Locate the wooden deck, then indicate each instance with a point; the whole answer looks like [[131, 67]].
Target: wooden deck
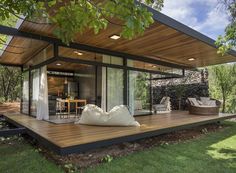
[[70, 138]]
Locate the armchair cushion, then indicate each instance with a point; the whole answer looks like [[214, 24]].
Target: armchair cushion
[[205, 100], [193, 101]]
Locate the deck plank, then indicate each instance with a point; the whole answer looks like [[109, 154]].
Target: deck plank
[[67, 135]]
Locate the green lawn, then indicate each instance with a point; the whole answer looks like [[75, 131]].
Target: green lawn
[[20, 157], [215, 152]]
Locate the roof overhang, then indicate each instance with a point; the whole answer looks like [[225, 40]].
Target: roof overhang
[[167, 42]]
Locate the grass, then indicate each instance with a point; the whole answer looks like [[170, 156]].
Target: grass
[[215, 152], [18, 156]]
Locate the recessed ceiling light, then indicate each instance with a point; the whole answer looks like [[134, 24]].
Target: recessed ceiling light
[[191, 59], [78, 53], [154, 66], [58, 64], [115, 37]]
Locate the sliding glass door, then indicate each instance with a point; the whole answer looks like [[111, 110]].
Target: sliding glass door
[[111, 92], [115, 87]]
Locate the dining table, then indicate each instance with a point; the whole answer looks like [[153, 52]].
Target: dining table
[[76, 101]]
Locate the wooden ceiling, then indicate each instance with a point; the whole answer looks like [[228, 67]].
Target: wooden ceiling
[[68, 66], [159, 42], [21, 50]]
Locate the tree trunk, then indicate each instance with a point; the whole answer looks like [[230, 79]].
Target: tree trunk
[[223, 104]]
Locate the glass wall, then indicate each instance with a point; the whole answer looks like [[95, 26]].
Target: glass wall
[[70, 81], [139, 92], [100, 82]]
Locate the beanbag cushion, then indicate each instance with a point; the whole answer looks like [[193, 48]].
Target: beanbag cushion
[[118, 116]]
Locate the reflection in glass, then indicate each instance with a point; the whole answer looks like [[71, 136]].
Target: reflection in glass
[[139, 92]]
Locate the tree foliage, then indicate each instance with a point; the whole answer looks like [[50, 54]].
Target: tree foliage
[[142, 91], [228, 40], [10, 78], [222, 81], [11, 21], [76, 16]]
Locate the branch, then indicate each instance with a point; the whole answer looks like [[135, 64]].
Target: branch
[[19, 17]]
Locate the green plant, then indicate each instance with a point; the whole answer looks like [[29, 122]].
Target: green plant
[[107, 159], [70, 168]]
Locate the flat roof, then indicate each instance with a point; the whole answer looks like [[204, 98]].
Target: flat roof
[[165, 40]]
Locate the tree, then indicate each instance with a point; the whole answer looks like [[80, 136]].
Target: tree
[[224, 81], [10, 78], [228, 40], [76, 16]]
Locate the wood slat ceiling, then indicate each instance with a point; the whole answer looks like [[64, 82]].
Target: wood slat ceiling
[[68, 66], [158, 42], [26, 48]]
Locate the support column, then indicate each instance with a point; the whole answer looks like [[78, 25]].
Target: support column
[[21, 90], [30, 100], [151, 93], [125, 83]]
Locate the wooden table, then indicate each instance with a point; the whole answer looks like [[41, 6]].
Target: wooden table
[[76, 101]]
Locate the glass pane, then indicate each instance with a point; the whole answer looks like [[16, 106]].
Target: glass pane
[[34, 91], [152, 67], [139, 92], [85, 78], [25, 97], [115, 87], [79, 54], [89, 56]]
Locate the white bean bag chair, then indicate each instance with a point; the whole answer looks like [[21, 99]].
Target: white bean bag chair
[[118, 116]]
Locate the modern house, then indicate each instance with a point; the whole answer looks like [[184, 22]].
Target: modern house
[[105, 70]]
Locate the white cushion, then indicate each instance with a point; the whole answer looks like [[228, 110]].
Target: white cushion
[[118, 116], [193, 101], [211, 103], [204, 100]]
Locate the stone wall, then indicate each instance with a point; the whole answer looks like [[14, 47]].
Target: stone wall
[[195, 84], [190, 90]]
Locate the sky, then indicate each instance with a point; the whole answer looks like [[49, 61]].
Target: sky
[[205, 16]]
